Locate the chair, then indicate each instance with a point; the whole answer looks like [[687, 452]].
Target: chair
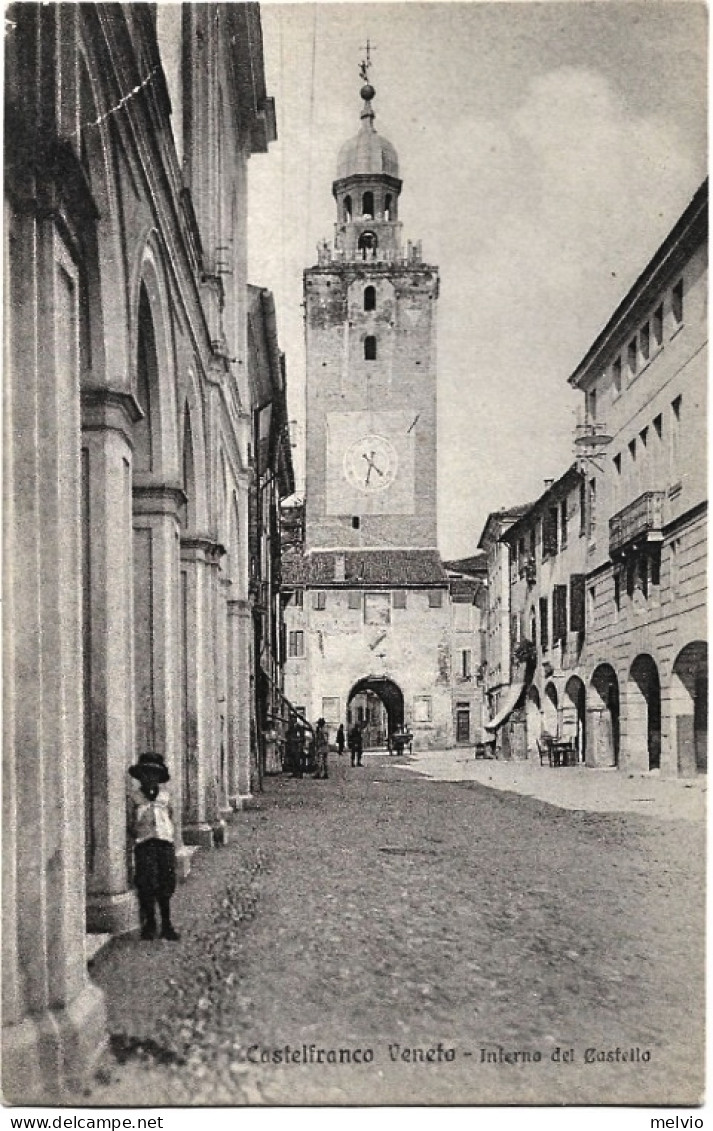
[[544, 749]]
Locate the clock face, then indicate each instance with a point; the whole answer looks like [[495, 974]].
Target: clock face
[[371, 463]]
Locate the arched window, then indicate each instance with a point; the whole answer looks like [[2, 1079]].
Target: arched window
[[367, 204], [367, 245], [347, 209], [387, 206], [370, 298], [370, 348]]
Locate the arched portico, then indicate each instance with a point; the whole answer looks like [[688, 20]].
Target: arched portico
[[689, 709], [574, 715], [390, 696], [603, 711], [643, 717], [533, 720], [550, 714]]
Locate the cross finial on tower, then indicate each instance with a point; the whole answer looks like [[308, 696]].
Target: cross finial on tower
[[365, 63]]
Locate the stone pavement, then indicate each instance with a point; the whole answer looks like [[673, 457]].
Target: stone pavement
[[383, 911], [571, 787]]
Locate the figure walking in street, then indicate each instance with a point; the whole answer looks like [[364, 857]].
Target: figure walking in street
[[151, 826], [355, 744], [321, 748], [340, 739]]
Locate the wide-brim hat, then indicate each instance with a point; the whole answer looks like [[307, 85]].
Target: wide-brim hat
[[150, 765]]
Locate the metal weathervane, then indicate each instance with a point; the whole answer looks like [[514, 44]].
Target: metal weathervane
[[365, 63]]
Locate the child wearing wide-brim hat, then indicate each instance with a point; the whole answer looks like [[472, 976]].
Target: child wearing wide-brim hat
[[154, 849]]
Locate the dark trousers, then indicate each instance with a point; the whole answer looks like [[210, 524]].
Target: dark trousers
[[155, 878]]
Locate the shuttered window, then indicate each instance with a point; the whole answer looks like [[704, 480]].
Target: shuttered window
[[577, 598], [549, 532], [544, 626], [354, 599], [559, 613]]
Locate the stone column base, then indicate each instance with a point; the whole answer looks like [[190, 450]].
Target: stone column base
[[201, 835], [184, 859], [50, 1055], [112, 914], [245, 801]]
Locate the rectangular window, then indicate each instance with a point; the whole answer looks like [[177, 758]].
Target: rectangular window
[[592, 404], [563, 523], [644, 437], [435, 598], [645, 342], [677, 303], [582, 507], [461, 617], [422, 709], [559, 614], [617, 593], [533, 543], [297, 644], [617, 463], [319, 599], [591, 604], [399, 598], [576, 602], [331, 712], [616, 376], [632, 450], [632, 358], [674, 438], [544, 625], [550, 532], [354, 599], [299, 598], [377, 608], [658, 325], [465, 663], [592, 507], [658, 425]]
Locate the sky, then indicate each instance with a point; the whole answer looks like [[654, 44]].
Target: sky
[[546, 149]]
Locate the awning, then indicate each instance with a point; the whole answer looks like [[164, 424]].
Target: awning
[[509, 705]]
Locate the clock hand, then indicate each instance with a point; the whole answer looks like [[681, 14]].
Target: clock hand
[[372, 466]]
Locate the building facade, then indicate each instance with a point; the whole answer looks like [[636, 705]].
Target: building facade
[[547, 550], [371, 610], [127, 471], [644, 381]]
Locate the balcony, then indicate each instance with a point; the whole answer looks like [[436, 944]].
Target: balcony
[[640, 522]]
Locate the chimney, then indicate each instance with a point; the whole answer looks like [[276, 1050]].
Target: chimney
[[548, 484]]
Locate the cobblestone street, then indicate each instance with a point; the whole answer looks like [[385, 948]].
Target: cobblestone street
[[382, 911]]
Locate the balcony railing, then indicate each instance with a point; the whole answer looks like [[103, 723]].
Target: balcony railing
[[641, 521]]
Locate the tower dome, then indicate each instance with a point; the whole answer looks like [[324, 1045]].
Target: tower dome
[[368, 152]]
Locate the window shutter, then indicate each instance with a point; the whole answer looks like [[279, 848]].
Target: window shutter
[[544, 626], [577, 594], [559, 613]]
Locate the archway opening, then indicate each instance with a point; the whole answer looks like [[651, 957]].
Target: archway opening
[[574, 715], [644, 715], [367, 206], [550, 714], [367, 244], [690, 708], [603, 747], [533, 720], [376, 704]]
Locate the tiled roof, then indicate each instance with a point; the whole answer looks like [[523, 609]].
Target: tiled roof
[[365, 567], [474, 566]]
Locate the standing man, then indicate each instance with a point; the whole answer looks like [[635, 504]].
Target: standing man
[[340, 739], [321, 748], [355, 744]]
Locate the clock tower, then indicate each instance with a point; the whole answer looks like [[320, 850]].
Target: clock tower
[[371, 628], [370, 321]]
